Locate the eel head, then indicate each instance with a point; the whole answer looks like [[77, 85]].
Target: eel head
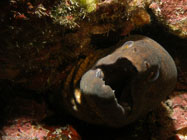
[[128, 83]]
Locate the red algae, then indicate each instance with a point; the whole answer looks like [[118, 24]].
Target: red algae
[[24, 119], [67, 132], [179, 112], [170, 119], [24, 129], [173, 14]]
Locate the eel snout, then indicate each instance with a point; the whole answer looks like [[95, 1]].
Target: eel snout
[[129, 82]]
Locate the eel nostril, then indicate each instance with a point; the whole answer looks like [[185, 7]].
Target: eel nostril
[[99, 73], [128, 44]]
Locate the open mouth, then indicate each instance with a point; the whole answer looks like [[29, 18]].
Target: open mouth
[[119, 77], [108, 90]]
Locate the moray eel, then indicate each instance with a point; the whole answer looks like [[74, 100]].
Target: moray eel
[[125, 84]]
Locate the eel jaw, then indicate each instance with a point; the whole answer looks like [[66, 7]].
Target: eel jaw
[[107, 88]]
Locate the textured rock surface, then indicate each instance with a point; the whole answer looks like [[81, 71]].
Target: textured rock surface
[[25, 118], [28, 130], [171, 118], [59, 34], [173, 14]]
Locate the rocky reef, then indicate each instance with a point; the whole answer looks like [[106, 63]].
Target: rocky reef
[[172, 14], [47, 46]]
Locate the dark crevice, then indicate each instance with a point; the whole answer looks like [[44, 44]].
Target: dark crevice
[[107, 40]]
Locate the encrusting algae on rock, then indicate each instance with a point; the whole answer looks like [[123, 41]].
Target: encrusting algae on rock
[[62, 32], [172, 14]]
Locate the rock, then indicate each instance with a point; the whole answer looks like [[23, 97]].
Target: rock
[[172, 14], [23, 129], [23, 116]]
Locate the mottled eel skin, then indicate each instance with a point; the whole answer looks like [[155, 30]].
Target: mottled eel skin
[[125, 84]]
